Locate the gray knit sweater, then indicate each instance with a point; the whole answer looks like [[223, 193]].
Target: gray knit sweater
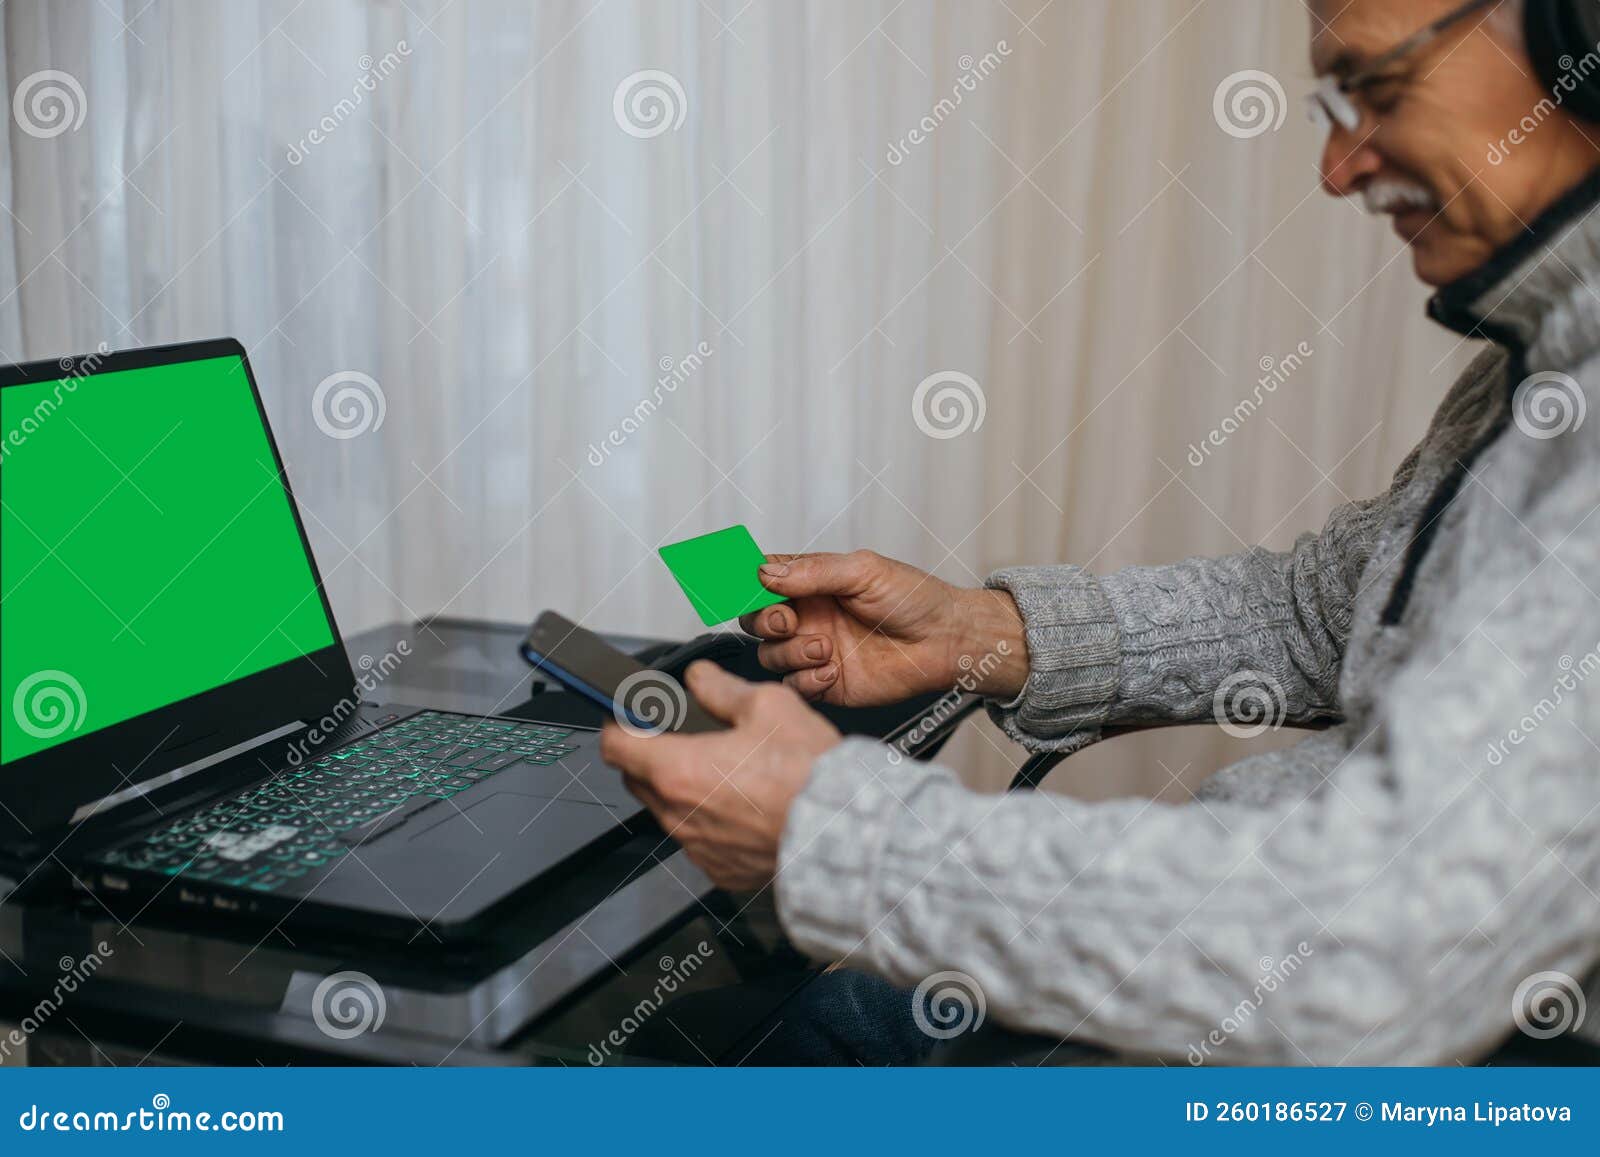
[[1375, 894]]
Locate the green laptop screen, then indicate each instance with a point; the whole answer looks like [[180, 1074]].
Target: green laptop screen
[[147, 549]]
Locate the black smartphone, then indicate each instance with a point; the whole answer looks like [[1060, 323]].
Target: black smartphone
[[642, 698]]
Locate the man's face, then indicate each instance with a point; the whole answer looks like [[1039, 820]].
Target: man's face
[[1422, 151]]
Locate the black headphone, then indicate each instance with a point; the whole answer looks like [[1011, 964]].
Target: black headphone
[[1564, 45]]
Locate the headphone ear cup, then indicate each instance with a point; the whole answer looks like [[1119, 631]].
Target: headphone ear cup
[[1564, 45]]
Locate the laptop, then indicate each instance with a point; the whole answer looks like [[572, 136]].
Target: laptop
[[180, 725]]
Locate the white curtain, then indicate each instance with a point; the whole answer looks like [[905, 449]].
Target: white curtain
[[842, 198]]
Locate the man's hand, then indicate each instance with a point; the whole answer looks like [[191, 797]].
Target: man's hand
[[725, 796], [863, 630]]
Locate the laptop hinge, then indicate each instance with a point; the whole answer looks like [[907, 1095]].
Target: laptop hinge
[[127, 794]]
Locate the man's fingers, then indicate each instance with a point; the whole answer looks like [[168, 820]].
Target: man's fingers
[[771, 622], [815, 682], [795, 654], [724, 695], [818, 574], [777, 622], [639, 757]]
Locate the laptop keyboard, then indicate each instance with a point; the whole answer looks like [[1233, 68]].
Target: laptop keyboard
[[305, 818]]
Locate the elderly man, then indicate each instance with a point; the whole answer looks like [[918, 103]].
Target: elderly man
[[1422, 860]]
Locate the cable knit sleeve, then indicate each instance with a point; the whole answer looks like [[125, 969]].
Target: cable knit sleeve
[[1152, 644]]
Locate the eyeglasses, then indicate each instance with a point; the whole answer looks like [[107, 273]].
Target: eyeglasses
[[1329, 103]]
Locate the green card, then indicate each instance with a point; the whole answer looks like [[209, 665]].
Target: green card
[[718, 573]]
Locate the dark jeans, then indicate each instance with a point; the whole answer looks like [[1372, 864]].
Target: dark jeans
[[803, 1018], [834, 1018], [845, 1018]]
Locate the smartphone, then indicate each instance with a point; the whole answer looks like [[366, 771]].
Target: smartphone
[[640, 697]]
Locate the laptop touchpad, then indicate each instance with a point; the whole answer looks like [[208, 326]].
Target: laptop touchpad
[[507, 819]]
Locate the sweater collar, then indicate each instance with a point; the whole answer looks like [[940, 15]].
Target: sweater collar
[[1539, 295]]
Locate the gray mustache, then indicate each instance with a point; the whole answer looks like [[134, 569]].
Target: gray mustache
[[1383, 197]]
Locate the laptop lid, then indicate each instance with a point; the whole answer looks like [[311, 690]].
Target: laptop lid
[[158, 598]]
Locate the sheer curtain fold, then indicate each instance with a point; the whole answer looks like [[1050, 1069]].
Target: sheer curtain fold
[[11, 347], [591, 336]]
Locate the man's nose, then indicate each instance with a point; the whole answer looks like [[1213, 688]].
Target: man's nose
[[1347, 160]]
